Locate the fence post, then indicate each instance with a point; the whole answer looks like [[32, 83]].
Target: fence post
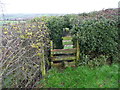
[[78, 52], [51, 44], [51, 55], [43, 61], [1, 58]]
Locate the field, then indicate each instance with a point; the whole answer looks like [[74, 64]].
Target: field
[[13, 22]]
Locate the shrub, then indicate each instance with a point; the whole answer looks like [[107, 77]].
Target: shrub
[[97, 37], [56, 25]]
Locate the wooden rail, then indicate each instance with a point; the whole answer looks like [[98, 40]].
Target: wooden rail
[[63, 51], [62, 58]]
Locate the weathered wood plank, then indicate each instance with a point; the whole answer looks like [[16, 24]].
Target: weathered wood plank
[[63, 51], [68, 43], [78, 52], [51, 44], [57, 58], [43, 70], [58, 50], [68, 46], [67, 38]]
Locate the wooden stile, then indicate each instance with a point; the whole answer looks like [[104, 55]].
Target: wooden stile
[[67, 56]]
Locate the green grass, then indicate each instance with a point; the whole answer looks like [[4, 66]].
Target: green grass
[[81, 77]]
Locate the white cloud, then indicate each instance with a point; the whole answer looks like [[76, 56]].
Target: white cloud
[[57, 6]]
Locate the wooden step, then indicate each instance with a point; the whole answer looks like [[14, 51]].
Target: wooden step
[[62, 58], [68, 43], [64, 64], [63, 51], [67, 38]]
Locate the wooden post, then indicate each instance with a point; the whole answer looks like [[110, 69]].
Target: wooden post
[[78, 52], [43, 62], [51, 44], [1, 58], [65, 64], [51, 55]]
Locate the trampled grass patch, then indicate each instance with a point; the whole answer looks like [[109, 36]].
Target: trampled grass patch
[[81, 77]]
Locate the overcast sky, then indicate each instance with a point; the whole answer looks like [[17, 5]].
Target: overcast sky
[[57, 6]]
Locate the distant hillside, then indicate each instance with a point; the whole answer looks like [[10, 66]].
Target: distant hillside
[[25, 16], [108, 13]]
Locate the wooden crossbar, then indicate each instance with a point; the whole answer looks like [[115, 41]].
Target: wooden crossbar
[[63, 51], [67, 38], [59, 58]]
